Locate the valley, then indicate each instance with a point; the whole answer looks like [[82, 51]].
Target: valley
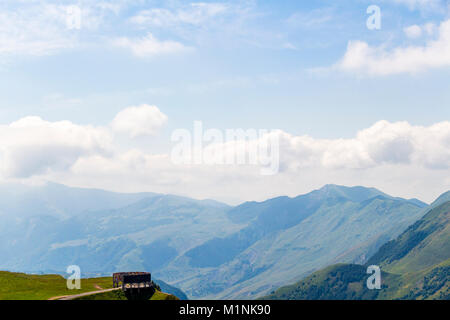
[[208, 249]]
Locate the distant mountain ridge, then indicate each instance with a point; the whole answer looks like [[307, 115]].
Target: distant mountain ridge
[[424, 244], [287, 238], [206, 248], [58, 200], [416, 265], [441, 199], [108, 240]]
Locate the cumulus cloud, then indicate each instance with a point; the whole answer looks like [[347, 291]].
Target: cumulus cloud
[[35, 141], [413, 31], [139, 121], [397, 157], [149, 46], [361, 58], [429, 28], [416, 31], [32, 146], [384, 143]]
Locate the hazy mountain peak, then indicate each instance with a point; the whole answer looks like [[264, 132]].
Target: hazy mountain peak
[[59, 200], [415, 265], [355, 194], [441, 199]]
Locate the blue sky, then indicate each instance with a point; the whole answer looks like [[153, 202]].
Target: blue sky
[[287, 65]]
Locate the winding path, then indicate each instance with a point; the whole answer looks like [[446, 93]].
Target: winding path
[[76, 296]]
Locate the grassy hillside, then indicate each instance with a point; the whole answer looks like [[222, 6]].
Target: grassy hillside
[[424, 244], [289, 238], [20, 286], [100, 241], [416, 265], [165, 287], [220, 252], [119, 295], [337, 282], [348, 282], [58, 200]]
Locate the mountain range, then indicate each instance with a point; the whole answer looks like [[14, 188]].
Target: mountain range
[[206, 248], [288, 238], [416, 265]]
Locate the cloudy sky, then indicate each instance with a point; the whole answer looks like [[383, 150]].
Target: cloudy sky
[[91, 92]]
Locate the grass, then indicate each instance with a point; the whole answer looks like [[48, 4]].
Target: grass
[[416, 265], [20, 286], [119, 295], [114, 295], [163, 296]]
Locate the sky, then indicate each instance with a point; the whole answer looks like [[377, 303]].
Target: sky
[[91, 93]]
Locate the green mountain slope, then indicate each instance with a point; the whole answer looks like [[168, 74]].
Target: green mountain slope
[[206, 248], [171, 290], [424, 244], [138, 236], [416, 265], [337, 282], [288, 238], [21, 286], [119, 295], [442, 199], [57, 200]]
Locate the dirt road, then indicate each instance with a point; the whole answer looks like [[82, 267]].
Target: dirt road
[[76, 296]]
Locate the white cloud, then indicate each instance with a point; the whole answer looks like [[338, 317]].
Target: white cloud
[[32, 146], [384, 143], [224, 24], [413, 31], [416, 31], [361, 58], [311, 19], [149, 46], [429, 28], [35, 30], [400, 158], [193, 14], [139, 121], [420, 4], [38, 28]]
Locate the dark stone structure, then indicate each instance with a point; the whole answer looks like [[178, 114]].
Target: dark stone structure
[[135, 285]]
